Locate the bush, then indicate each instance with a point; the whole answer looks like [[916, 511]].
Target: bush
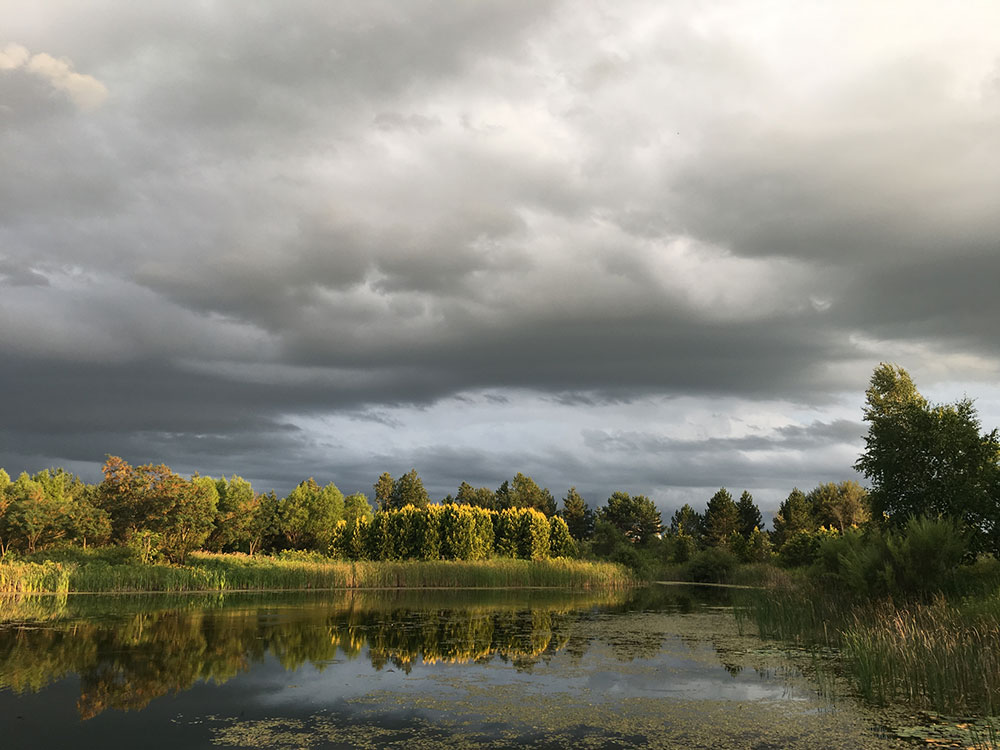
[[712, 565], [921, 559], [800, 549], [924, 557], [684, 547]]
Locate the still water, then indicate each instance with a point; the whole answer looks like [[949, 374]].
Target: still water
[[658, 667]]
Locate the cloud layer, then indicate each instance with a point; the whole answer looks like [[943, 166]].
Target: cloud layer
[[334, 239]]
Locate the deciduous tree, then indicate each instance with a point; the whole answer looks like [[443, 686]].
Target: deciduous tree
[[929, 460]]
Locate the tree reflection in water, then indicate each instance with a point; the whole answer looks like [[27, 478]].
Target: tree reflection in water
[[129, 650]]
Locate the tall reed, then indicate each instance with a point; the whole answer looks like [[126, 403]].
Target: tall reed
[[233, 572], [932, 656]]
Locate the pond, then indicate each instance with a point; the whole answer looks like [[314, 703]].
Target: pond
[[664, 666]]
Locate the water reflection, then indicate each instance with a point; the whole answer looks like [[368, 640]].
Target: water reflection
[[128, 651]]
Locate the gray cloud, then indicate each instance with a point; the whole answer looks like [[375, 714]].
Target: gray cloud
[[222, 230]]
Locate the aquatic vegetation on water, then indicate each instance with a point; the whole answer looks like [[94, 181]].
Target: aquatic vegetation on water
[[659, 666]]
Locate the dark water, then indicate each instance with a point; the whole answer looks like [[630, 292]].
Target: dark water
[[659, 667]]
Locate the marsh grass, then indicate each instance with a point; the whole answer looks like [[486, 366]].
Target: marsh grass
[[234, 572], [933, 656], [792, 614], [32, 577]]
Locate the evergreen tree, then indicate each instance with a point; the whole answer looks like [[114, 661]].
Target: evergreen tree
[[383, 491], [635, 516], [721, 518], [687, 521], [577, 515], [793, 516], [748, 514], [479, 497], [525, 493]]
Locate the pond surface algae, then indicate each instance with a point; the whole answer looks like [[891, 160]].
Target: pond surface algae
[[628, 688]]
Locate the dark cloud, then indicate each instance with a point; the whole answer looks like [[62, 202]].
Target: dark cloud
[[226, 234]]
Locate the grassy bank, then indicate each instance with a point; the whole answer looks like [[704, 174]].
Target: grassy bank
[[208, 572]]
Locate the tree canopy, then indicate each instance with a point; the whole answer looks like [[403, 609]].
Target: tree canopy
[[636, 516], [924, 459]]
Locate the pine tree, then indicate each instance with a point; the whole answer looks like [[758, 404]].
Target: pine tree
[[721, 518], [749, 515], [577, 515]]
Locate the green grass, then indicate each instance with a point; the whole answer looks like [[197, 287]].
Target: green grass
[[104, 572]]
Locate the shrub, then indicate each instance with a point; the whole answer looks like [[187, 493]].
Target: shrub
[[684, 547], [924, 556], [711, 565], [799, 549]]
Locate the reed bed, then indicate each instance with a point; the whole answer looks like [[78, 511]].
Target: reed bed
[[794, 614], [208, 572], [32, 577], [932, 656]]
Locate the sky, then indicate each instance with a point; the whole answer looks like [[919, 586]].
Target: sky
[[626, 245]]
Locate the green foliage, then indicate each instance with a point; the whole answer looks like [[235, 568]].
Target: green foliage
[[801, 548], [721, 519], [684, 546], [233, 510], [33, 518], [929, 460], [505, 524], [532, 534], [383, 491], [88, 523], [145, 546], [635, 516], [748, 515], [758, 548], [688, 522], [176, 512], [840, 505], [922, 559], [924, 556], [458, 533], [357, 507], [793, 516], [711, 565], [262, 526], [577, 515], [480, 497], [348, 539], [560, 540], [525, 493], [309, 513], [418, 531], [483, 536]]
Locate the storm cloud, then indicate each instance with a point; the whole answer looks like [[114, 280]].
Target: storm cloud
[[617, 246]]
